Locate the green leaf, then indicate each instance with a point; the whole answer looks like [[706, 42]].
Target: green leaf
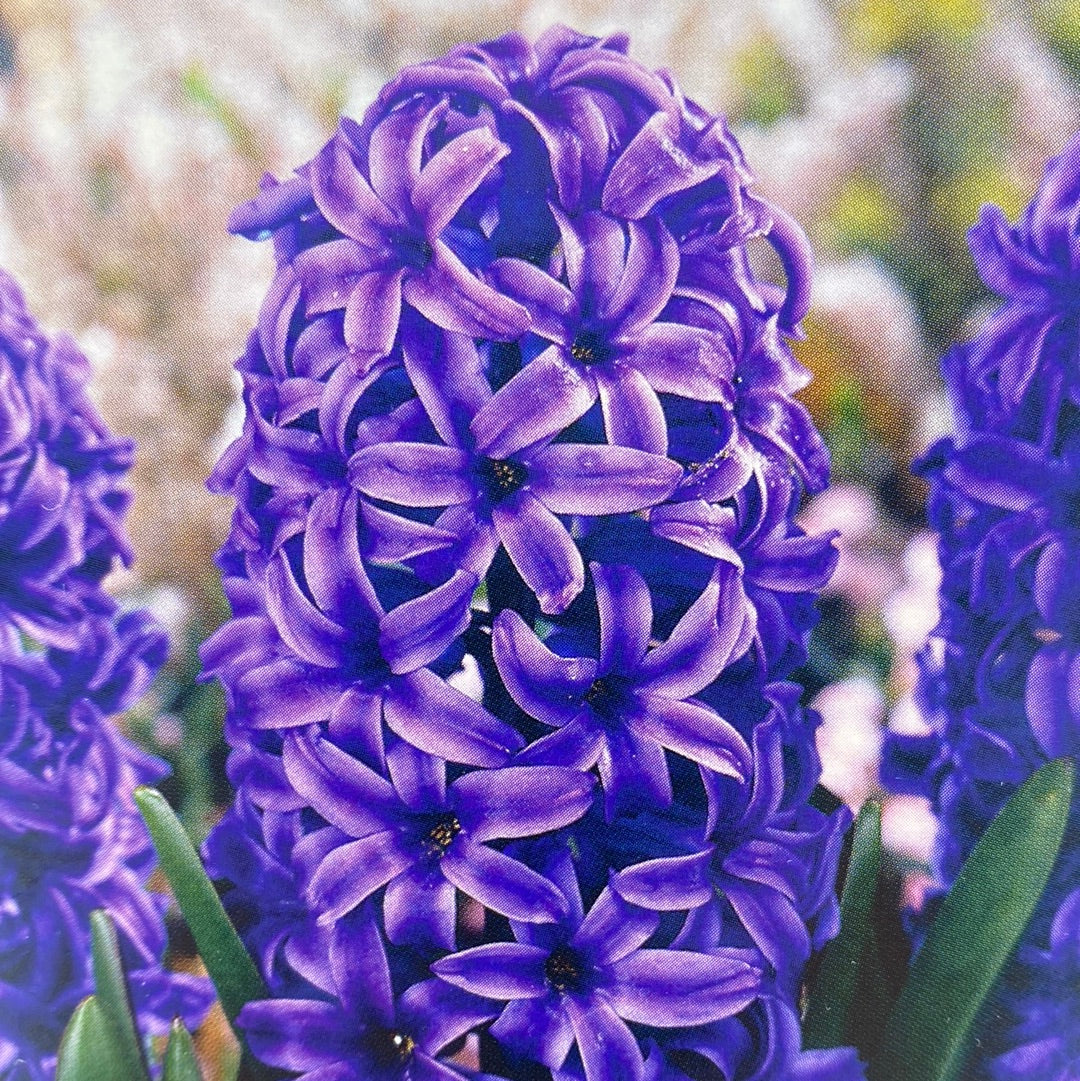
[[233, 972], [86, 1044], [180, 1061], [114, 1000], [832, 997], [980, 922]]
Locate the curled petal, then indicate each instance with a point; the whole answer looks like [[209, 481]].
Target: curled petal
[[548, 687], [585, 479], [551, 305], [396, 150], [671, 884], [314, 638], [454, 298], [352, 872], [452, 175], [502, 884], [542, 551], [546, 396], [431, 715], [501, 970], [694, 731], [672, 988], [609, 1050], [372, 313], [345, 197], [344, 791], [417, 632], [652, 167], [625, 608], [412, 474], [521, 801], [702, 642], [633, 415]]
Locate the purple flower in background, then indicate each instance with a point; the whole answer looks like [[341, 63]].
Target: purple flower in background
[[61, 470], [515, 578], [1001, 685], [71, 839]]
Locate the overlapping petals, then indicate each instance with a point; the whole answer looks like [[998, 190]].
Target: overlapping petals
[[515, 576], [62, 499], [620, 710], [578, 983]]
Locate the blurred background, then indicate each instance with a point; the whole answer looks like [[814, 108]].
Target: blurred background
[[129, 129]]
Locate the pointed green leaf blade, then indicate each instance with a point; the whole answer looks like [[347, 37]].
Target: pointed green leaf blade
[[180, 1061], [231, 969], [85, 1045], [114, 999], [980, 922], [832, 997]]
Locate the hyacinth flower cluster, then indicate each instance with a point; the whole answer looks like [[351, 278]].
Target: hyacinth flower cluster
[[1000, 678], [522, 782], [71, 840]]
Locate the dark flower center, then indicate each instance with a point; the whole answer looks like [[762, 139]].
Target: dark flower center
[[607, 696], [387, 1048], [414, 251], [589, 347], [441, 835], [502, 477], [565, 969]]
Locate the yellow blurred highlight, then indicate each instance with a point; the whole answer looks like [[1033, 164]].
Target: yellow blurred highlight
[[881, 26], [768, 88], [860, 216], [957, 201], [841, 368]]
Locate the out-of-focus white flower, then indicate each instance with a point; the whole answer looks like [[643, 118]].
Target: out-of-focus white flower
[[849, 739], [908, 827]]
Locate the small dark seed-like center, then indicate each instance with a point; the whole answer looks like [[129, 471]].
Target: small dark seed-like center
[[414, 251], [441, 835], [564, 969], [589, 348], [503, 477], [606, 696]]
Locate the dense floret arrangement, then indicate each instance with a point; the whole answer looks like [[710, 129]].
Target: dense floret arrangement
[[516, 586], [71, 840], [1001, 677]]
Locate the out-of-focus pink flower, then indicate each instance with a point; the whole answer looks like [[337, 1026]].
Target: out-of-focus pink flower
[[864, 575]]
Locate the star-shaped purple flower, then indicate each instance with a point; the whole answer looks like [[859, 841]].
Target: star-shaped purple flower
[[509, 495], [771, 867], [364, 1032], [606, 340], [423, 839], [582, 980], [392, 224], [621, 710], [345, 661]]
